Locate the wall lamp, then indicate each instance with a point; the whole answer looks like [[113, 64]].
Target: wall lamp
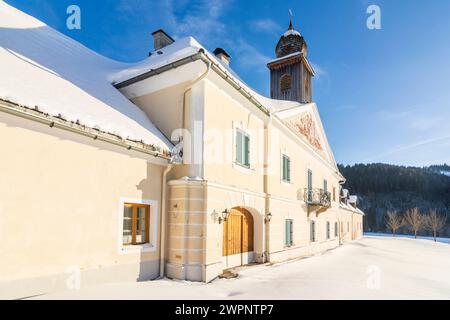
[[224, 216], [268, 217]]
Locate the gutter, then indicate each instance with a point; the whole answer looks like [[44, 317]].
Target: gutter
[[200, 55], [162, 258], [57, 122]]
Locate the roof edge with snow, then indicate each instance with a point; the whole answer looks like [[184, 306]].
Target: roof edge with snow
[[200, 55], [96, 134]]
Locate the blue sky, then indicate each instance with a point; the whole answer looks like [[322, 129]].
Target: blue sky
[[384, 95]]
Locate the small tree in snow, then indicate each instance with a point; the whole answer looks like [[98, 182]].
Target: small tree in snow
[[435, 222], [415, 220], [393, 221]]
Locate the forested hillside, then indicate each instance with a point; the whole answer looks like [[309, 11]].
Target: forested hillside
[[383, 187]]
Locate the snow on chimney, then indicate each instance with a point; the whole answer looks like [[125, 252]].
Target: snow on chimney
[[161, 39], [222, 55]]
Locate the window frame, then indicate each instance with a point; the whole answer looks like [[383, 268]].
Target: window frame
[[312, 231], [288, 88], [309, 178], [134, 220], [291, 233], [328, 226], [245, 153], [288, 178], [152, 243]]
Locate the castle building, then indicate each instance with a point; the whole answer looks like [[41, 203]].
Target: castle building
[[171, 166]]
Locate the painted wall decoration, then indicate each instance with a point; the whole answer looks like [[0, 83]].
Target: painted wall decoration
[[306, 127]]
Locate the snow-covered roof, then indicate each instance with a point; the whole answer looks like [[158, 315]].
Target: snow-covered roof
[[180, 49], [291, 32], [345, 193], [353, 199], [294, 54], [42, 68], [348, 207], [184, 48]]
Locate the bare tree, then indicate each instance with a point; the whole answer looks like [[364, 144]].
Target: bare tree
[[415, 220], [393, 221], [435, 222]]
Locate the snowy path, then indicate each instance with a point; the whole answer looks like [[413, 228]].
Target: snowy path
[[407, 269]]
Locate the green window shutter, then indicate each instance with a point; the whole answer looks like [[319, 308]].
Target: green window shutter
[[288, 232], [328, 230], [288, 169], [239, 157], [247, 150], [325, 185], [313, 231], [292, 232], [309, 179]]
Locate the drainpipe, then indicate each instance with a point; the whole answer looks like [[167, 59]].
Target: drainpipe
[[183, 126], [163, 221], [266, 190], [187, 89]]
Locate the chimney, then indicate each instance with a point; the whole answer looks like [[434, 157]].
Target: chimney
[[222, 55], [161, 39]]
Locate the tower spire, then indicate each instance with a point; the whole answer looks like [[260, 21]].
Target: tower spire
[[291, 16]]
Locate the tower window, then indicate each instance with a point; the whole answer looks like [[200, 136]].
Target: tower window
[[285, 82]]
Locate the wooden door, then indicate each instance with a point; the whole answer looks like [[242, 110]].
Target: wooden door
[[238, 232]]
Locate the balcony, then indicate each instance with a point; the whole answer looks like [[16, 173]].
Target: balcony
[[317, 197]]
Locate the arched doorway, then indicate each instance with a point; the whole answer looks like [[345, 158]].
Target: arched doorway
[[238, 238]]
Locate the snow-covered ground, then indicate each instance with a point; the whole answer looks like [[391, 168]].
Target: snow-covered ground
[[377, 267], [375, 234]]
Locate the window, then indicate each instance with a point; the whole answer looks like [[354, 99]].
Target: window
[[336, 229], [310, 177], [136, 224], [334, 193], [313, 231], [285, 82], [286, 169], [328, 230], [307, 86], [289, 230], [242, 148], [325, 185]]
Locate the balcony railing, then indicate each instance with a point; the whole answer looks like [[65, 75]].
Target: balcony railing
[[318, 197]]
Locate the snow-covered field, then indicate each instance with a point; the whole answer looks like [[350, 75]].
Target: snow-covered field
[[377, 267], [387, 235]]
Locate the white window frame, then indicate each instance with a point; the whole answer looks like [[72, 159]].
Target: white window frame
[[153, 232], [237, 126], [290, 182]]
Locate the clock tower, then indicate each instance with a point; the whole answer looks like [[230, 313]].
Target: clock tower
[[290, 72]]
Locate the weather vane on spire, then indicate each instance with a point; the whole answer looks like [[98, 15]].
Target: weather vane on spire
[[291, 15]]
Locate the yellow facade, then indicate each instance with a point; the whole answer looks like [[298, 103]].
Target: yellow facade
[[60, 210], [63, 194]]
